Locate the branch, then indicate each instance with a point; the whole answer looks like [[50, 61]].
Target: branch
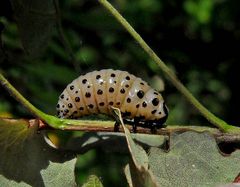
[[222, 125], [108, 126]]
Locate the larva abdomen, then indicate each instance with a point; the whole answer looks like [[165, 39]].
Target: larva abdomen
[[98, 91]]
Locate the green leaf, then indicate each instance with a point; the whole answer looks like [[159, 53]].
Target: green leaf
[[193, 160], [59, 174], [138, 170], [128, 175], [200, 10], [93, 181], [7, 183], [139, 178], [114, 141], [36, 23], [26, 159]]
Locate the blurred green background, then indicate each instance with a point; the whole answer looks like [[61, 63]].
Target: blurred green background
[[198, 39]]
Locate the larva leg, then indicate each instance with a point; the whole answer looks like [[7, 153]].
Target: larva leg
[[153, 128], [134, 128], [116, 126], [135, 124]]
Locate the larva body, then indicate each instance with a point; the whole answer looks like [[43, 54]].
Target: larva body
[[98, 91]]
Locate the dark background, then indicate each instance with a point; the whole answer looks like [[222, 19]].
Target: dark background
[[199, 40]]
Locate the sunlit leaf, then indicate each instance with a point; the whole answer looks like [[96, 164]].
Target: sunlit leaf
[[93, 181], [26, 159], [193, 160], [128, 175]]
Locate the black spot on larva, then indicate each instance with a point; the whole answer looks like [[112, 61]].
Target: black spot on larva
[[88, 86], [159, 112], [115, 82], [140, 94], [58, 105], [58, 113], [99, 92], [63, 106], [113, 75], [122, 91], [90, 106], [155, 101], [118, 103], [128, 78], [101, 104], [75, 112], [101, 83], [67, 99], [76, 92], [88, 94], [142, 83], [111, 90], [81, 108], [71, 87], [155, 93], [154, 111], [137, 106], [98, 76], [144, 104], [84, 81], [77, 99], [110, 103], [66, 111], [126, 85], [70, 105], [128, 100], [62, 96]]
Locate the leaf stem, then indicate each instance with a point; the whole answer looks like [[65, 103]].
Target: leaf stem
[[170, 75], [51, 120], [13, 92]]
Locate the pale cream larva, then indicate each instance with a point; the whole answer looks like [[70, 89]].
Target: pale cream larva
[[98, 91]]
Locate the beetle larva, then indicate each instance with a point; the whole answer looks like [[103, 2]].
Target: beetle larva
[[98, 91]]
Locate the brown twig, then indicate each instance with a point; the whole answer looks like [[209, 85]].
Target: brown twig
[[93, 126]]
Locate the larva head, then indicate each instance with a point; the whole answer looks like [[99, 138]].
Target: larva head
[[153, 107], [161, 113]]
